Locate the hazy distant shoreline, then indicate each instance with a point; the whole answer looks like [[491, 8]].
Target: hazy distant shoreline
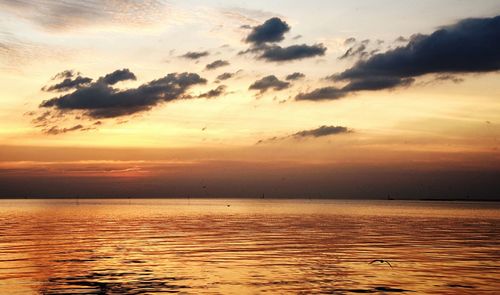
[[259, 198]]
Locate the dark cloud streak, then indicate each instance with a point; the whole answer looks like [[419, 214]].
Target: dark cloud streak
[[295, 76], [216, 64], [325, 93], [68, 84], [56, 130], [195, 54], [118, 76], [269, 82], [321, 131], [225, 76], [220, 90], [277, 53]]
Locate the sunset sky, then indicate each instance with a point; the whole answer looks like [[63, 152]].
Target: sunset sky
[[238, 99]]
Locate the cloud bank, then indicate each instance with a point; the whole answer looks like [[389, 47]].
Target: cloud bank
[[469, 46], [100, 100]]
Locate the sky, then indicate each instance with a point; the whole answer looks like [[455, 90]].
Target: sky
[[323, 99]]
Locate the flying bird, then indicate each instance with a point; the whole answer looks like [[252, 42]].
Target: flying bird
[[380, 261]]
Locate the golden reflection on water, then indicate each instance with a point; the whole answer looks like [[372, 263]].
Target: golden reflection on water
[[251, 246]]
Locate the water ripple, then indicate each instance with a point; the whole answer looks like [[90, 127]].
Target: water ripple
[[254, 246]]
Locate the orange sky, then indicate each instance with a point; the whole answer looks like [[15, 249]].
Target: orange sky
[[418, 138]]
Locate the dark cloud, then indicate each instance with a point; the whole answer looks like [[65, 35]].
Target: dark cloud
[[41, 119], [269, 82], [65, 74], [70, 82], [355, 51], [322, 131], [295, 76], [469, 46], [376, 83], [216, 64], [447, 77], [361, 50], [220, 90], [101, 100], [195, 54], [118, 76], [442, 78], [56, 130], [325, 93], [225, 76], [271, 139], [272, 30], [275, 53], [311, 133]]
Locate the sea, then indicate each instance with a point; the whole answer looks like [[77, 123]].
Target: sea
[[248, 246]]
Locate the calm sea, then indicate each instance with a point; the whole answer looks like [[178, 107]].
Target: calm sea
[[215, 246]]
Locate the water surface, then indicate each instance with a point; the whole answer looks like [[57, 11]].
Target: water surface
[[215, 246]]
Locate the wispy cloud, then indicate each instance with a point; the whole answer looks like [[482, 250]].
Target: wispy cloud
[[64, 15], [321, 131]]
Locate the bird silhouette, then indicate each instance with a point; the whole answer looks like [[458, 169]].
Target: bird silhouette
[[381, 261]]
